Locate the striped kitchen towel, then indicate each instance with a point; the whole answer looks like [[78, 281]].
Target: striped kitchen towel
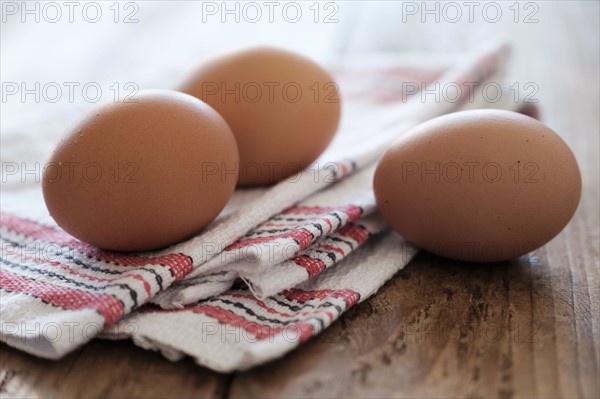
[[57, 293]]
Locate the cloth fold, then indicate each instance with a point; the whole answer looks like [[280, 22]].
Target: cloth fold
[[236, 330]]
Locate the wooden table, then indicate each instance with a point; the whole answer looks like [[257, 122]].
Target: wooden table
[[526, 328]]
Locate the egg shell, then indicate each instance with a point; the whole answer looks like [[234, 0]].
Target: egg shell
[[480, 185], [142, 175], [283, 108]]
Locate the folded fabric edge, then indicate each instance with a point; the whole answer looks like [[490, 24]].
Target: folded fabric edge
[[364, 274]]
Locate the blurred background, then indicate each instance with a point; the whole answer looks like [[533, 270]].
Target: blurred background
[[59, 59], [109, 49]]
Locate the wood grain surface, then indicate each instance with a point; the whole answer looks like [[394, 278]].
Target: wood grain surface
[[526, 328]]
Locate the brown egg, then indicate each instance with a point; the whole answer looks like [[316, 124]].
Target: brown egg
[[482, 185], [283, 109], [142, 175]]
